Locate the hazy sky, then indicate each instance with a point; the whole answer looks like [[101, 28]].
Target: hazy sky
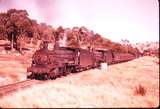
[[135, 20]]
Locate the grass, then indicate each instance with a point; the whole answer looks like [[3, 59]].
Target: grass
[[131, 84]]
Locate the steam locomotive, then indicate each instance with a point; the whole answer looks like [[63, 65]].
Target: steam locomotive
[[50, 64]]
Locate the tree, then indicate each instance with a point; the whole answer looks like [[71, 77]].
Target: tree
[[3, 21], [106, 43], [18, 25], [98, 40], [11, 32], [86, 37], [73, 39], [57, 33]]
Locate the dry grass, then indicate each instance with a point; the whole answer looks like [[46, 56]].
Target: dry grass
[[131, 84], [12, 68]]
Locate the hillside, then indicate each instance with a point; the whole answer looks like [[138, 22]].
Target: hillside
[[130, 84]]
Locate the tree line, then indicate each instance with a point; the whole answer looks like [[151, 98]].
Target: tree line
[[19, 29]]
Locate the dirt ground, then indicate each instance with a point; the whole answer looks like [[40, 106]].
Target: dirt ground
[[130, 84]]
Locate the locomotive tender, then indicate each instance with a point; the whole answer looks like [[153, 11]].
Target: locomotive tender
[[49, 64]]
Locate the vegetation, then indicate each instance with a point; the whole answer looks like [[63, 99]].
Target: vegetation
[[19, 29], [140, 90]]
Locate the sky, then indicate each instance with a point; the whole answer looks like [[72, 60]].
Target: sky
[[135, 20]]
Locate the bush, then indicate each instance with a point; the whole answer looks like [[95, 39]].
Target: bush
[[140, 90]]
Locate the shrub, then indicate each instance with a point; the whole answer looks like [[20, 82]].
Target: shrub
[[140, 90]]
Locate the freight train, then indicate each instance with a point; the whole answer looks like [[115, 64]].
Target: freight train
[[50, 64]]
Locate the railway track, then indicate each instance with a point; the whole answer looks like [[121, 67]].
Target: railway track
[[11, 88]]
